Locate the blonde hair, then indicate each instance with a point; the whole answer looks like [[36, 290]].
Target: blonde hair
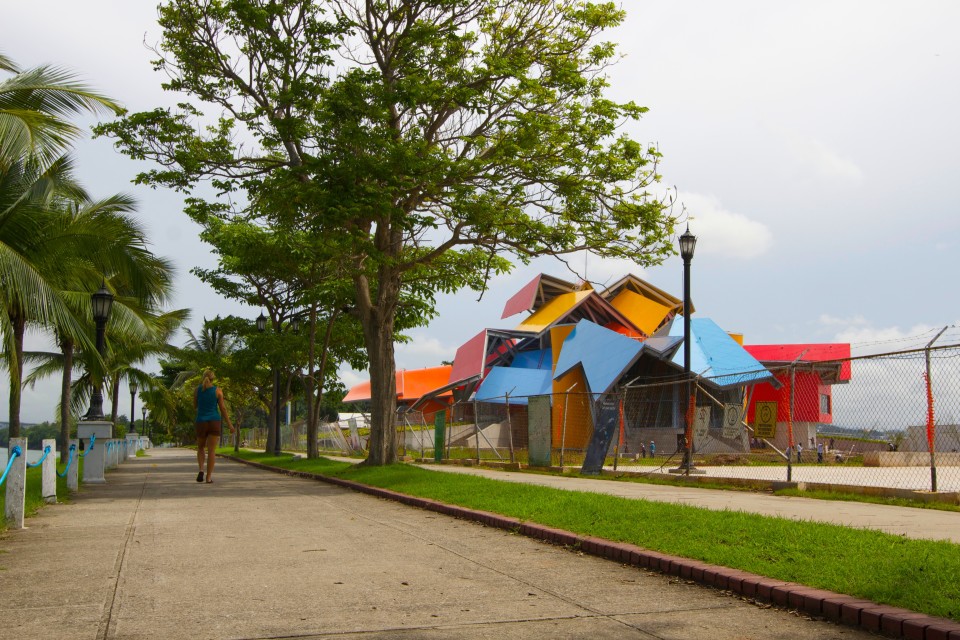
[[207, 379]]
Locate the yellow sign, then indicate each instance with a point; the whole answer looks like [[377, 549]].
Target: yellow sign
[[765, 420]]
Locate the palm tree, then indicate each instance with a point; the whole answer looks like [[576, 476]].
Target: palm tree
[[212, 341], [35, 178], [33, 106], [105, 240]]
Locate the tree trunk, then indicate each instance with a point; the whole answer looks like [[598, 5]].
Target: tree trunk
[[383, 391], [66, 347], [378, 322], [313, 451], [321, 376], [15, 365], [272, 413]]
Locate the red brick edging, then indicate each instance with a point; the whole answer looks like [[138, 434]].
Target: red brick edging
[[891, 621]]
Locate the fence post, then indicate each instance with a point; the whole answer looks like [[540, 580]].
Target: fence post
[[16, 483], [510, 429], [476, 427], [931, 423], [563, 429], [790, 445], [48, 472], [439, 420], [73, 473], [616, 451]]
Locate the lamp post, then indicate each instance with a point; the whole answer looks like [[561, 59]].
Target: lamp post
[[102, 302], [143, 421], [688, 243], [133, 414], [261, 327]]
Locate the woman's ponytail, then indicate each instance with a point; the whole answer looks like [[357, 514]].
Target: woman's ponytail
[[207, 379]]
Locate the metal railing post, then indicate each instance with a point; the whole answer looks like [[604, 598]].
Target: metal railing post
[[931, 422]]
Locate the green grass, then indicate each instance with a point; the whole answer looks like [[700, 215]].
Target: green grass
[[919, 575]]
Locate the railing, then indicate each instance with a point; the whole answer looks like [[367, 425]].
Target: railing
[[97, 456]]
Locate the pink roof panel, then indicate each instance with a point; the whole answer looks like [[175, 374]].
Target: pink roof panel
[[522, 300], [470, 358]]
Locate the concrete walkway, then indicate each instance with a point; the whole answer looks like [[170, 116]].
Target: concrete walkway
[[153, 554], [927, 524]]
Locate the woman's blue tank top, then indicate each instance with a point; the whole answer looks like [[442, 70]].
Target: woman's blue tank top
[[207, 406]]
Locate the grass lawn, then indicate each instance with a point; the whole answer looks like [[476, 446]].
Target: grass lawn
[[920, 575]]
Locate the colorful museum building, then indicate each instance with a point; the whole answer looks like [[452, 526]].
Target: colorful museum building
[[612, 362]]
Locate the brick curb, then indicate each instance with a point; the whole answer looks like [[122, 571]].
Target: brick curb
[[848, 610]]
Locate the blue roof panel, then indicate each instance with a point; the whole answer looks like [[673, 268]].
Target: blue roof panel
[[519, 383], [604, 355], [716, 356], [535, 359]]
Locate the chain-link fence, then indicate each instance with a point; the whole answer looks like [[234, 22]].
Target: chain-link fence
[[890, 420], [867, 421]]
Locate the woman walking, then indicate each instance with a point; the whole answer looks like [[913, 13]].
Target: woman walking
[[211, 413]]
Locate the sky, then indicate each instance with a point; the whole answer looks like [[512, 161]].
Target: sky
[[814, 146]]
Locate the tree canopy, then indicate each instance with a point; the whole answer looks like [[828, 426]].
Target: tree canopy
[[434, 140]]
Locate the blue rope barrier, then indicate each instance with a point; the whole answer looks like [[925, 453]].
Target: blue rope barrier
[[16, 451], [46, 452], [73, 448], [93, 440]]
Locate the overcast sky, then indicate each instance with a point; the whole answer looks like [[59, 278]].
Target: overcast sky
[[814, 144]]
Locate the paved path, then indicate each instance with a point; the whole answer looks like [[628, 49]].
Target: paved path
[[153, 554], [906, 521], [912, 478]]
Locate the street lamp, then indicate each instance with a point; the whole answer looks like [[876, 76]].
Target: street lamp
[[133, 414], [261, 327], [102, 302], [143, 421], [688, 243]]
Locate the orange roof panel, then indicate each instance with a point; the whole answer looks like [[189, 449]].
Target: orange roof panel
[[411, 384]]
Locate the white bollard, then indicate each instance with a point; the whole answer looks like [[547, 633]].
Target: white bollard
[[73, 475], [48, 473], [16, 484]]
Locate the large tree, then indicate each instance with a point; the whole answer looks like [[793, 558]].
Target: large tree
[[288, 273], [433, 137]]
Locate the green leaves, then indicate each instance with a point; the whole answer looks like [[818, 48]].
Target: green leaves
[[405, 147]]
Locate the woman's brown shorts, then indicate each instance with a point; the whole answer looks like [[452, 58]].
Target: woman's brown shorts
[[208, 428]]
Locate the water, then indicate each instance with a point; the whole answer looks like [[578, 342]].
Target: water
[[32, 456]]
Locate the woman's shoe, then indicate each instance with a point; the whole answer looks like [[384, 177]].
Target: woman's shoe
[[200, 477]]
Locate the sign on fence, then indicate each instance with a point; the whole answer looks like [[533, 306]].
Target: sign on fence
[[540, 428], [701, 423], [765, 420], [732, 417], [439, 429]]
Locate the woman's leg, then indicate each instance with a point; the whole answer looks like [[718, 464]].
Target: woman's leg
[[201, 454], [211, 443]]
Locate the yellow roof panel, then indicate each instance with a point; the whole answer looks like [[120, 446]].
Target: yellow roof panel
[[646, 314], [553, 311]]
